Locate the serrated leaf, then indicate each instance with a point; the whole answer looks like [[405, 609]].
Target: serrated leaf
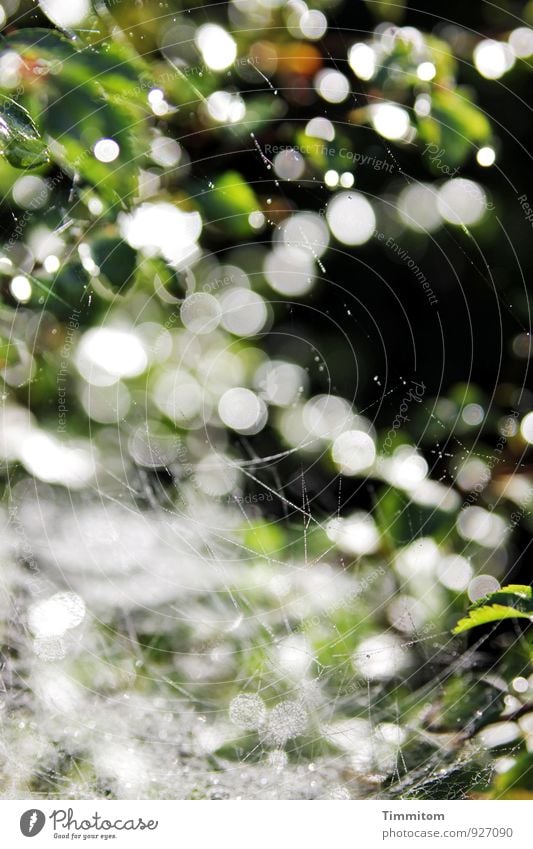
[[521, 591], [20, 140], [511, 602], [517, 596], [488, 613]]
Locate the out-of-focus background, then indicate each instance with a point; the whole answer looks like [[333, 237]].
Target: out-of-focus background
[[265, 434]]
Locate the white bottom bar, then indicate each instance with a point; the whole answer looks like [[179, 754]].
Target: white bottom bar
[[267, 825]]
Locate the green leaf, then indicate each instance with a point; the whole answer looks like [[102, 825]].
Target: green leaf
[[64, 293], [9, 353], [517, 782], [456, 126], [264, 537], [387, 10], [111, 65], [87, 94], [515, 595], [21, 143], [171, 285], [489, 613], [511, 602], [116, 261], [468, 703], [229, 203]]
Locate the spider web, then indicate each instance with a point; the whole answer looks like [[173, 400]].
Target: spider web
[[238, 645]]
